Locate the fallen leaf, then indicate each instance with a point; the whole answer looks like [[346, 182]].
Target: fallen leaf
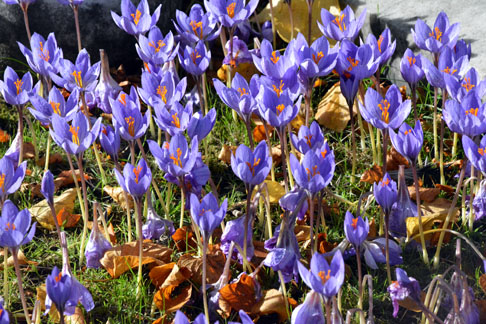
[[373, 233], [175, 292], [302, 233], [482, 310], [297, 122], [65, 178], [21, 257], [239, 294], [214, 268], [225, 153], [246, 70], [272, 301], [42, 213], [4, 137], [275, 191], [41, 296], [372, 175], [111, 232], [410, 304], [161, 320], [66, 219], [28, 150], [324, 245], [184, 239], [426, 194], [394, 160], [118, 195], [333, 111], [276, 155], [158, 274], [259, 133], [33, 188], [445, 188], [482, 282], [54, 158], [122, 258], [76, 318]]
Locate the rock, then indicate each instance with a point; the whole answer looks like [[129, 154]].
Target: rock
[[400, 17], [97, 29]]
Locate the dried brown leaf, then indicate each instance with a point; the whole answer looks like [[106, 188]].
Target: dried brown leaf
[[21, 257], [372, 175], [272, 301], [54, 158], [66, 219], [118, 195], [225, 153], [158, 274], [215, 265], [333, 111], [482, 282], [42, 213], [239, 294], [176, 290], [426, 194], [4, 137], [184, 239]]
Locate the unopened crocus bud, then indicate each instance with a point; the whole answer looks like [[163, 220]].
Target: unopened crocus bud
[[47, 187], [356, 229], [207, 213], [96, 247], [408, 141], [385, 192]]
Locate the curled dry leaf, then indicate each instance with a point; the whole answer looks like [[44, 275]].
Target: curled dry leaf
[[158, 274], [21, 257], [246, 70], [66, 219], [215, 265], [410, 304], [426, 194], [42, 213], [333, 111], [184, 239], [275, 191], [76, 318], [482, 282], [175, 291], [298, 121], [302, 232], [65, 178], [372, 175], [119, 196], [259, 133], [29, 151], [225, 153], [122, 258], [240, 294], [273, 301], [54, 158]]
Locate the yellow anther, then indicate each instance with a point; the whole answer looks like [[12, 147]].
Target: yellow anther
[[136, 17], [77, 78], [176, 121], [231, 9], [162, 91], [278, 90], [253, 166], [55, 107], [74, 131], [195, 26], [131, 125], [340, 23], [18, 85], [274, 57], [318, 57], [384, 106]]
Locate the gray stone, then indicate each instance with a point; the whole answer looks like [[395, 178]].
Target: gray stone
[[97, 29], [400, 17]]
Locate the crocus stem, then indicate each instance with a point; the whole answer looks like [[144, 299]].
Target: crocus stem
[[250, 135], [76, 22], [319, 217], [19, 282], [419, 214], [449, 214], [48, 153], [413, 89], [203, 288], [284, 292], [311, 215], [454, 145], [154, 184], [61, 319], [385, 149], [183, 205], [373, 146], [151, 121], [308, 100], [267, 135], [26, 20], [327, 304], [387, 247], [86, 208], [199, 93], [353, 141], [471, 209], [205, 93], [441, 154], [362, 133], [282, 135], [360, 275], [76, 184], [127, 204], [56, 223], [309, 21], [436, 143], [286, 153], [274, 31], [168, 199], [138, 208], [378, 146], [34, 138], [20, 109], [249, 188], [5, 276]]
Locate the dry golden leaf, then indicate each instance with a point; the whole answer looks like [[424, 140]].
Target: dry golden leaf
[[426, 194], [175, 292], [259, 133], [119, 196], [238, 295], [41, 296], [21, 257], [53, 159], [300, 17], [482, 282], [215, 265], [122, 258], [372, 175], [297, 122], [333, 111], [275, 191], [410, 304], [438, 206], [158, 274], [66, 219], [272, 301], [276, 155], [302, 232], [246, 70], [184, 239], [4, 137], [76, 318], [225, 153], [324, 245], [42, 213]]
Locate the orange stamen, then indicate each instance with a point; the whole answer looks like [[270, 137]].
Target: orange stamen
[[75, 134], [324, 153], [274, 57], [318, 57], [325, 277], [77, 78], [467, 84], [195, 26], [312, 173], [123, 98], [448, 70], [2, 182], [136, 172], [160, 44], [408, 131], [58, 277], [355, 222], [131, 125], [385, 182], [384, 106], [44, 53], [195, 56], [481, 151], [176, 121], [233, 59], [438, 34], [411, 60], [280, 108], [380, 40], [162, 91], [278, 90], [147, 67], [104, 131], [308, 139], [177, 161], [242, 91], [472, 111], [353, 63], [252, 166], [339, 22], [231, 9], [18, 85], [55, 107], [136, 17]]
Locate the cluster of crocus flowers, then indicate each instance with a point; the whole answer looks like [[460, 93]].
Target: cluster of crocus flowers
[[435, 39], [136, 21], [44, 56], [230, 13], [343, 26], [196, 26]]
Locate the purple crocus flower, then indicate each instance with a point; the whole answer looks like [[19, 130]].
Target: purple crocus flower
[[277, 107], [4, 319], [47, 187], [15, 226], [408, 141], [467, 117], [200, 125], [411, 67], [402, 209], [96, 247], [195, 59], [11, 176], [230, 13], [358, 61], [234, 232], [110, 141], [160, 90], [283, 257], [135, 180], [176, 120], [316, 170], [136, 21], [180, 318], [290, 201], [107, 87], [240, 97], [197, 26], [44, 56], [155, 226], [462, 48], [310, 311], [309, 138], [475, 153], [127, 116], [251, 167], [24, 4], [77, 137], [374, 252], [479, 202], [55, 104], [323, 277], [447, 65], [356, 229], [383, 48], [15, 90], [156, 48], [385, 192], [385, 113], [81, 75], [207, 213], [238, 54], [435, 40], [344, 26], [175, 157], [459, 88], [404, 287]]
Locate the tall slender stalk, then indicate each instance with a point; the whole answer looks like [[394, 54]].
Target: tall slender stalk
[[34, 138], [308, 101], [48, 153], [441, 154], [385, 149], [19, 282], [76, 22], [24, 8], [138, 209], [20, 109], [250, 135], [249, 188], [204, 274], [436, 143], [353, 141], [311, 215], [183, 203], [127, 205], [274, 31], [291, 17], [269, 144], [309, 21], [360, 275], [78, 190], [387, 247], [85, 198], [419, 213]]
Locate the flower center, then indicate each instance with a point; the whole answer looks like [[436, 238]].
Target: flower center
[[242, 91], [194, 56], [274, 57], [354, 222], [308, 139], [58, 277], [162, 91], [231, 9], [2, 182], [18, 85], [340, 23], [449, 71], [278, 90], [131, 125], [467, 84], [408, 131], [233, 59], [10, 226], [438, 34], [77, 78], [160, 44], [384, 106], [176, 121], [411, 60], [136, 172], [55, 107], [385, 182], [280, 108], [324, 153], [195, 26], [325, 276], [481, 151], [136, 17], [253, 166], [380, 40], [44, 53], [318, 57], [472, 111], [123, 99], [202, 211], [104, 131], [312, 173], [353, 63], [177, 160], [75, 132]]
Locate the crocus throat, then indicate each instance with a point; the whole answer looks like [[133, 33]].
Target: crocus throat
[[160, 44], [123, 99], [44, 53], [408, 131], [324, 153], [75, 132], [242, 91], [136, 172], [380, 40], [175, 120], [481, 151], [233, 59], [55, 107], [274, 58], [467, 84], [384, 107], [325, 276], [317, 58], [280, 108], [230, 9], [278, 90], [340, 23], [253, 166], [195, 26], [77, 78], [308, 140], [2, 182], [411, 60], [104, 131], [472, 111], [450, 71], [353, 63], [177, 160], [312, 173], [437, 35], [58, 277], [10, 226], [136, 17], [162, 91], [385, 182], [194, 56], [131, 125], [18, 85], [354, 222]]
